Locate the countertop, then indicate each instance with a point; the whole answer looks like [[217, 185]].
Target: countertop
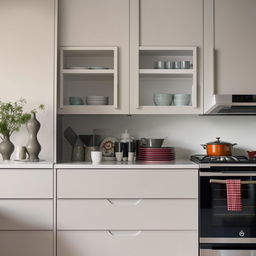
[[12, 164], [178, 164]]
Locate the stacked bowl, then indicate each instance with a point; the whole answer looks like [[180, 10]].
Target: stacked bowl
[[181, 99], [97, 100], [163, 99]]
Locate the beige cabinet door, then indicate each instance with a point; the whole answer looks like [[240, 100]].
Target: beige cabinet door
[[27, 63], [165, 23], [127, 183], [127, 243], [26, 243], [26, 214], [98, 23], [26, 183], [127, 214], [230, 31]]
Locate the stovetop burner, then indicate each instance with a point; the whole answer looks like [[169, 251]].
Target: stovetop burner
[[198, 158]]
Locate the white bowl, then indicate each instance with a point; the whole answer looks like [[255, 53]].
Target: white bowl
[[163, 99]]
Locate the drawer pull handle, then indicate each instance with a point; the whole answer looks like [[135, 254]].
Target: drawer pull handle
[[124, 201], [124, 233]]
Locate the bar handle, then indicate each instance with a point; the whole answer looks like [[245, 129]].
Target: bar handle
[[224, 181]]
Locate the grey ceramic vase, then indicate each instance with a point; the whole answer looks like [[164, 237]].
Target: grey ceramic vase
[[6, 148], [33, 146]]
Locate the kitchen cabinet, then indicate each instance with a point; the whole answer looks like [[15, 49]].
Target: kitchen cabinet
[[165, 31], [27, 65], [229, 49], [132, 212], [98, 31], [173, 33], [26, 211]]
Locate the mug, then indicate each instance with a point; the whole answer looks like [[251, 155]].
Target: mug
[[96, 156], [21, 153]]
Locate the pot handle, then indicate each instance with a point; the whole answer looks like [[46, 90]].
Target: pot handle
[[203, 145], [234, 144]]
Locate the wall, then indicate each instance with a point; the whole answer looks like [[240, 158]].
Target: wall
[[185, 133], [27, 62]]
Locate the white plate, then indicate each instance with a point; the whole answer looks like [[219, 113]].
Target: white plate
[[76, 68], [107, 146], [97, 67]]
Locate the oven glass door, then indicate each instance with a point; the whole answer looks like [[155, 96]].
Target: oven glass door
[[216, 220]]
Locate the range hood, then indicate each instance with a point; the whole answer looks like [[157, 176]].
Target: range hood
[[233, 105]]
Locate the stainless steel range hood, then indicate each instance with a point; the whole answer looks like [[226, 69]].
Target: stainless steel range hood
[[233, 105]]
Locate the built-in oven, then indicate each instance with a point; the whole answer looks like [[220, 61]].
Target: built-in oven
[[217, 224]]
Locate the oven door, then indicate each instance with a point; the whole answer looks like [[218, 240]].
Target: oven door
[[216, 221], [228, 250]]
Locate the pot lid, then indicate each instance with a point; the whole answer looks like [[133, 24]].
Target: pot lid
[[218, 142]]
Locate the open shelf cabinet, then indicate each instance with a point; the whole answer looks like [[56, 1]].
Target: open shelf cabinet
[[149, 80], [88, 71]]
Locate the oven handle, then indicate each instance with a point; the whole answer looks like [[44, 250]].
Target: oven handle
[[228, 246], [247, 182], [219, 174]]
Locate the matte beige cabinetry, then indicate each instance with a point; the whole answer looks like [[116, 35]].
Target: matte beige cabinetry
[[132, 183], [97, 23], [128, 212], [26, 243], [26, 183], [163, 24], [26, 212], [229, 48], [135, 243], [27, 65]]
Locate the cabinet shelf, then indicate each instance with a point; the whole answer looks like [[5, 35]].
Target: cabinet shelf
[[88, 71], [167, 72], [86, 109]]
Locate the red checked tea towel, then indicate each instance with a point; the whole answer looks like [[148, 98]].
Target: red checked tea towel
[[234, 200]]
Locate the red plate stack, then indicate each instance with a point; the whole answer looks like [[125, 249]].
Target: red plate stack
[[156, 154]]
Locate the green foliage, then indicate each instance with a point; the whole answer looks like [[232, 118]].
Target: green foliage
[[12, 116]]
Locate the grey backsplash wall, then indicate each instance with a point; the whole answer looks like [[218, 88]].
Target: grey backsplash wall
[[185, 133]]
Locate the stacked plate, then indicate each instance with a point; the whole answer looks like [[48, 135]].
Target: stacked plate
[[97, 100], [156, 154]]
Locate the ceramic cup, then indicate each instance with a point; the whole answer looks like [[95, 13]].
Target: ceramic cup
[[168, 64], [159, 64], [96, 156], [185, 64], [119, 156], [177, 64], [130, 156], [21, 153]]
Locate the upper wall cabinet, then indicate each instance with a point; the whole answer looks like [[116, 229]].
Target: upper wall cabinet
[[94, 51], [166, 40], [230, 54]]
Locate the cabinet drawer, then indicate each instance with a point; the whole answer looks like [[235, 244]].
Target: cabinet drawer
[[25, 214], [26, 243], [22, 183], [132, 183], [127, 243], [127, 214]]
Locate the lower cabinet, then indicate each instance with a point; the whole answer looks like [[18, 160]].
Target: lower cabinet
[[128, 212], [127, 243], [26, 243], [26, 212]]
